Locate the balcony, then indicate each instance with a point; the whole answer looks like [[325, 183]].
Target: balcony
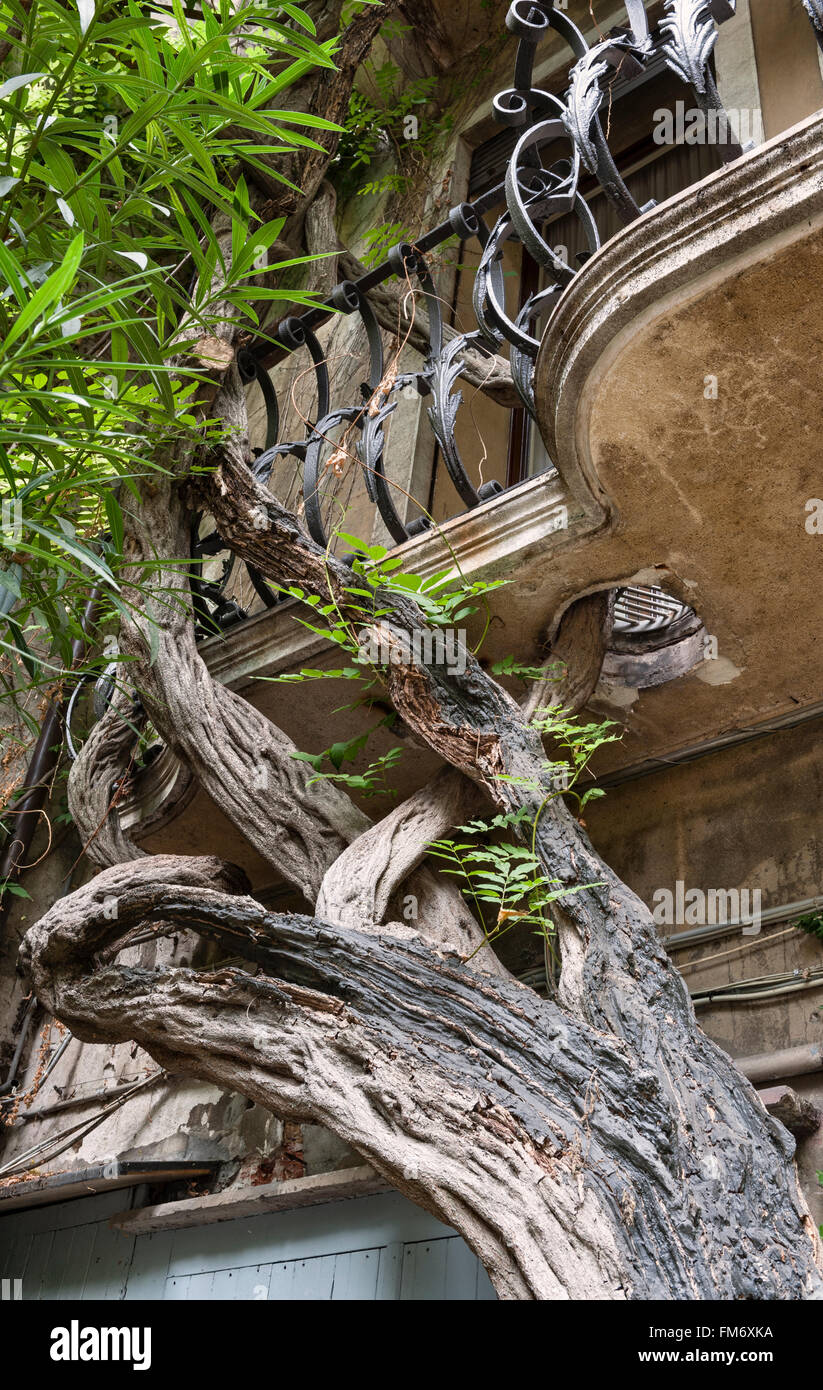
[[665, 370]]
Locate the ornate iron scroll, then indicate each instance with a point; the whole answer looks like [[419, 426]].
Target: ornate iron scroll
[[534, 193]]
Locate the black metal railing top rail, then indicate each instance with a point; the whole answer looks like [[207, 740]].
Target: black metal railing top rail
[[533, 194]]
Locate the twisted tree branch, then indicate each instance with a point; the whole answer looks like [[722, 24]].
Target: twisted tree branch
[[550, 1146]]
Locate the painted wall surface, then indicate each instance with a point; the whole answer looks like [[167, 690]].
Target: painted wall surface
[[787, 59], [369, 1248]]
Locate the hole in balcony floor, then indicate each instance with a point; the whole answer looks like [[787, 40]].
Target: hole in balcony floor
[[655, 639]]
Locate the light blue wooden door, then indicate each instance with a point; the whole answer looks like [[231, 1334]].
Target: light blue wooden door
[[443, 1270], [67, 1250], [368, 1248]]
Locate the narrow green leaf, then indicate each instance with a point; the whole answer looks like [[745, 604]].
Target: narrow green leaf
[[115, 518], [80, 552], [15, 889], [49, 292]]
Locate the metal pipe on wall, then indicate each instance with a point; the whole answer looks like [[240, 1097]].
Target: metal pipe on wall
[[777, 1066], [10, 1080], [782, 912]]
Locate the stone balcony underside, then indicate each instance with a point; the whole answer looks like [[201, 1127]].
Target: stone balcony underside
[[657, 484], [706, 497]]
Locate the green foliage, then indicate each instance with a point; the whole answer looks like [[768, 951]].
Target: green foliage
[[509, 667], [380, 240], [812, 924], [375, 123], [118, 142], [312, 673], [580, 742], [508, 877], [14, 889], [390, 118], [505, 877], [402, 127], [372, 781], [443, 599], [363, 134]]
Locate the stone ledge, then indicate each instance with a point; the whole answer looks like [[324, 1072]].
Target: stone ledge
[[496, 538], [252, 1201], [36, 1191], [800, 1117]]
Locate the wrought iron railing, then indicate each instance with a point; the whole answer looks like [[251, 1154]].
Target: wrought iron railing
[[533, 194]]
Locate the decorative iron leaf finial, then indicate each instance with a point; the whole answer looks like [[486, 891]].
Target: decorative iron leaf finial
[[692, 35], [586, 95]]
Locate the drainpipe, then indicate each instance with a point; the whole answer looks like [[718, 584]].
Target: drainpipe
[[10, 1080], [44, 760], [776, 1066], [783, 912]]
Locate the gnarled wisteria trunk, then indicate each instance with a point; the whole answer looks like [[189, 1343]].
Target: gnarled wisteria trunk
[[596, 1146]]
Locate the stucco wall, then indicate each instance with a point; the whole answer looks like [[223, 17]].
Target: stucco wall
[[747, 817]]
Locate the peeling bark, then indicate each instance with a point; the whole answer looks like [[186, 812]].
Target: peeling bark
[[240, 758], [599, 1147], [359, 884], [104, 759], [615, 973], [321, 237]]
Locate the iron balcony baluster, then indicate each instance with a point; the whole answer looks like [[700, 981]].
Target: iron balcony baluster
[[533, 194]]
